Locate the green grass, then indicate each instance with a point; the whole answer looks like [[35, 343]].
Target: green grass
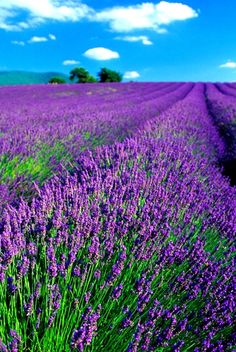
[[36, 168]]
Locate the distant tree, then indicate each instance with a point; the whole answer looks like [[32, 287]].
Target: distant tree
[[57, 80], [81, 75], [91, 79], [106, 75]]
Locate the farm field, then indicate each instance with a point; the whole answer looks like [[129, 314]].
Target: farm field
[[117, 217]]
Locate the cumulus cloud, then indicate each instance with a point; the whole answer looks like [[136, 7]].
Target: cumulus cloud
[[131, 75], [141, 38], [40, 11], [36, 39], [70, 62], [145, 16], [18, 42], [229, 64], [101, 54]]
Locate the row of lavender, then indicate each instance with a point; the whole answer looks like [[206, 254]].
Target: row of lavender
[[133, 250], [222, 104], [43, 128]]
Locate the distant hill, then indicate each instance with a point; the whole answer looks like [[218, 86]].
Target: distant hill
[[24, 77]]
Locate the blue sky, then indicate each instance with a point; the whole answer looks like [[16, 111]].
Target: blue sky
[[191, 40]]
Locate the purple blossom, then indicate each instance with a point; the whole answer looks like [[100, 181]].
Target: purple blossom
[[84, 334], [117, 291], [28, 307], [10, 286]]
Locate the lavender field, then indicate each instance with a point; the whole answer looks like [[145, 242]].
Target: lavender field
[[117, 217]]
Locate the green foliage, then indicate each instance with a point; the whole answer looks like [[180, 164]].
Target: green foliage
[[10, 169], [38, 168], [86, 135], [81, 75], [91, 79], [57, 80], [106, 75]]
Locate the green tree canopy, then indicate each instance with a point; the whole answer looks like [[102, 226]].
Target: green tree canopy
[[57, 80], [91, 79], [106, 75], [81, 75]]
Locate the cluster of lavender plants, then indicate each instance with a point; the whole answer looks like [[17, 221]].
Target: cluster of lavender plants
[[133, 248], [47, 127], [222, 105]]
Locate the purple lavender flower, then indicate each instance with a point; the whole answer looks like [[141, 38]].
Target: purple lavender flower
[[28, 307], [97, 274], [117, 291], [37, 290], [15, 343], [3, 348], [52, 268], [87, 296], [84, 334], [10, 286]]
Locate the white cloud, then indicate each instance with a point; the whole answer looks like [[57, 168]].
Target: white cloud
[[141, 38], [39, 11], [101, 54], [161, 30], [36, 39], [169, 12], [70, 62], [18, 42], [52, 36], [145, 16], [131, 75], [229, 64]]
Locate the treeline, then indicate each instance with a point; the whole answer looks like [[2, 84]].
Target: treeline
[[81, 75]]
